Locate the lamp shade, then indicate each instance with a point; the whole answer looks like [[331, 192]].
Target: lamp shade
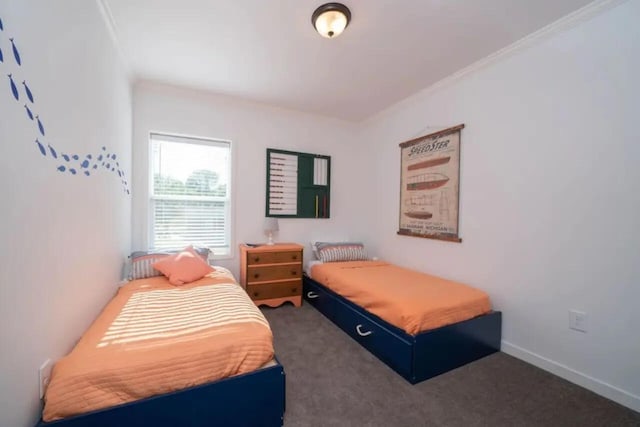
[[270, 225], [331, 19]]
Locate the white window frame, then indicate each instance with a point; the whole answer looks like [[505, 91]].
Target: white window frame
[[198, 140]]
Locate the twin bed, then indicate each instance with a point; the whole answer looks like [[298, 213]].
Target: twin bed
[[419, 325], [194, 355], [202, 354]]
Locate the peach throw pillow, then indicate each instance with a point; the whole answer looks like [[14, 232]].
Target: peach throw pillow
[[184, 267]]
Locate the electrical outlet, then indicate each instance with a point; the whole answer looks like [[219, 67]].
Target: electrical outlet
[[578, 320], [44, 375]]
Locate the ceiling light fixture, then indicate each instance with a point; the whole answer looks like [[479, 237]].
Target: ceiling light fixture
[[331, 19]]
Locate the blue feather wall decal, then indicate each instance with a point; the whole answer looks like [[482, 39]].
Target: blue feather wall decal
[[87, 173], [41, 147], [85, 164], [1, 26], [16, 54], [14, 89], [61, 168], [29, 113], [65, 157], [1, 57], [73, 171], [40, 125], [53, 152], [28, 91]]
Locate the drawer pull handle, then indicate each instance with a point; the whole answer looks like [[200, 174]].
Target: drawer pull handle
[[312, 295], [255, 294], [255, 276], [362, 334], [294, 257], [294, 272], [256, 259]]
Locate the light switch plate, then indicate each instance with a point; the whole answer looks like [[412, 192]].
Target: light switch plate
[[578, 320]]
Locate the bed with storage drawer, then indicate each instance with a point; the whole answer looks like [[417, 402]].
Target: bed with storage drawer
[[419, 335], [198, 354]]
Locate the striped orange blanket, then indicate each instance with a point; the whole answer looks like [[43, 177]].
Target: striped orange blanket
[[155, 338]]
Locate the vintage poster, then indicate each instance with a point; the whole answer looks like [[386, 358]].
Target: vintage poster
[[430, 185]]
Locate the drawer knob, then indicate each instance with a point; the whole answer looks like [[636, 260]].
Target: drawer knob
[[294, 289], [255, 276], [294, 272], [255, 294], [361, 333], [312, 295], [256, 259], [294, 257]]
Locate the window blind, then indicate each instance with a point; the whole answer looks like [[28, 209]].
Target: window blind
[[190, 194]]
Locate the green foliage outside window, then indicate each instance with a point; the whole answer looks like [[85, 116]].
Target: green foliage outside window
[[200, 183]]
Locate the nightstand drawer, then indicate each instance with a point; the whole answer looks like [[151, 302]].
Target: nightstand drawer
[[275, 290], [273, 272], [274, 257]]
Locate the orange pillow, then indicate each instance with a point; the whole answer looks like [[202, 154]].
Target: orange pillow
[[184, 267]]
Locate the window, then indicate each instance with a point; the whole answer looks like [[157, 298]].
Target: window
[[190, 194]]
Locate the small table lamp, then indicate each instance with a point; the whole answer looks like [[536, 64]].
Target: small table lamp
[[270, 225]]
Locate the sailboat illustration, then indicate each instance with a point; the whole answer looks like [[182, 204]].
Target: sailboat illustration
[[426, 181]]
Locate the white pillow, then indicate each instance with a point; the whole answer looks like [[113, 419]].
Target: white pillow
[[314, 250]]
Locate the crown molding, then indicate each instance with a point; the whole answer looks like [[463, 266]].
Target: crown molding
[[112, 29], [563, 24]]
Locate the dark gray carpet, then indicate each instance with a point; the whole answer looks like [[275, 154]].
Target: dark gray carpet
[[332, 381]]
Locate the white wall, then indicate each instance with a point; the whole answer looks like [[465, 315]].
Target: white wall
[[63, 237], [550, 196], [252, 128]]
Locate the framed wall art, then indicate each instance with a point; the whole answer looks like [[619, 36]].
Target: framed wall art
[[298, 185], [430, 185]]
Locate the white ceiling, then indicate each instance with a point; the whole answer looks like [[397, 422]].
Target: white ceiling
[[267, 50]]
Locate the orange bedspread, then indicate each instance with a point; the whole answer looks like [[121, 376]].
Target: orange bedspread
[[410, 300], [154, 338]]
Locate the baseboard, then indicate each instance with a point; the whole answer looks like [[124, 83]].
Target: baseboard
[[599, 387]]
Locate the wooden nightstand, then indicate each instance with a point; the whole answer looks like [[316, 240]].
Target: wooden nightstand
[[272, 274]]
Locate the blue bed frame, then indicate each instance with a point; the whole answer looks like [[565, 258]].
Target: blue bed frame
[[253, 399], [418, 357]]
